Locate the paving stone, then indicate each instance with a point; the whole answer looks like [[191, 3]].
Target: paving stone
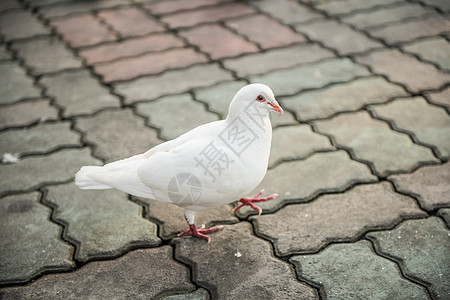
[[140, 274], [130, 47], [27, 113], [444, 213], [422, 251], [153, 87], [148, 64], [83, 30], [45, 54], [238, 265], [198, 294], [372, 141], [218, 42], [265, 31], [322, 172], [117, 134], [22, 255], [40, 139], [15, 84], [316, 75], [287, 11], [413, 29], [38, 3], [441, 98], [166, 7], [104, 223], [261, 63], [296, 142], [384, 15], [35, 171], [73, 7], [130, 21], [4, 54], [20, 24], [434, 50], [429, 124], [9, 4], [405, 69], [338, 36], [351, 96], [440, 4], [353, 271], [175, 115], [78, 92], [347, 6], [428, 184], [207, 15], [335, 218]]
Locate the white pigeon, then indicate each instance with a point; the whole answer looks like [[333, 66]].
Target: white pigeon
[[209, 166]]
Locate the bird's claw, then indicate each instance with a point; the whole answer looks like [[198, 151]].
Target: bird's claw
[[200, 232], [250, 200]]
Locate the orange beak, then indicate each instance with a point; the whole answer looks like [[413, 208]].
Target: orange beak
[[276, 107]]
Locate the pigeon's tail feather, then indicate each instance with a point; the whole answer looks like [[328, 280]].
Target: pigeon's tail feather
[[83, 181]]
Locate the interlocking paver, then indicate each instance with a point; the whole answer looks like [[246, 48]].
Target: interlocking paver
[[429, 124], [165, 113], [4, 54], [413, 29], [20, 24], [78, 92], [207, 15], [287, 11], [15, 84], [75, 7], [105, 224], [421, 246], [296, 142], [435, 50], [351, 96], [405, 69], [148, 64], [444, 213], [22, 255], [166, 7], [374, 142], [198, 294], [322, 172], [27, 113], [38, 3], [441, 4], [441, 98], [45, 54], [218, 42], [117, 134], [238, 265], [348, 6], [153, 87], [140, 274], [130, 47], [354, 271], [315, 75], [335, 218], [265, 31], [428, 184], [260, 63], [35, 171], [9, 4], [338, 36]]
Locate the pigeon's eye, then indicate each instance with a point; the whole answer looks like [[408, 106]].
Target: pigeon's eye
[[260, 98]]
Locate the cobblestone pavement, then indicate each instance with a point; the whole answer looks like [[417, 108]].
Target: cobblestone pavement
[[360, 158]]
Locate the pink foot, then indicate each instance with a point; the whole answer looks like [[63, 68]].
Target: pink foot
[[200, 232], [250, 200]]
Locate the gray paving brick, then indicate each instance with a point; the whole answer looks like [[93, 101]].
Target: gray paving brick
[[174, 122], [26, 113], [347, 6], [353, 271], [421, 247], [444, 213], [104, 223], [238, 265], [372, 141], [315, 75], [405, 69], [286, 11], [198, 294], [429, 124], [35, 171], [338, 36], [261, 63], [152, 87], [140, 274], [321, 172], [435, 50], [38, 3], [70, 7], [45, 54], [351, 96], [9, 4], [4, 54], [15, 84], [335, 218], [78, 92], [441, 4], [117, 134], [22, 255], [428, 184], [21, 24], [441, 98]]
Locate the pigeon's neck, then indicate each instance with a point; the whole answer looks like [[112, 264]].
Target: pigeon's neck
[[254, 116]]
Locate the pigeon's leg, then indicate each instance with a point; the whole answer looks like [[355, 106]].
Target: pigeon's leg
[[194, 231], [250, 200]]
